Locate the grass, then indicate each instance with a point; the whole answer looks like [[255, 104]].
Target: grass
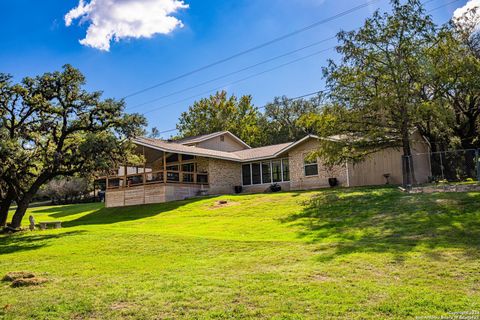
[[354, 254]]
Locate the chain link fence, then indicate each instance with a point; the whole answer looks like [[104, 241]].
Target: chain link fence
[[444, 166]]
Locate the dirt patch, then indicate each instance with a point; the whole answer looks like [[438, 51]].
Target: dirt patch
[[23, 279], [12, 276], [223, 203], [121, 306], [27, 282], [320, 278]]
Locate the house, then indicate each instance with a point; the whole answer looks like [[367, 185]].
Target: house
[[217, 163]]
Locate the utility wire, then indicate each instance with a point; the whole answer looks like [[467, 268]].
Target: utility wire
[[241, 80], [274, 58], [257, 47], [234, 72], [254, 65]]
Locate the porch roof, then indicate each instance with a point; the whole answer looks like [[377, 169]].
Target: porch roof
[[247, 155]]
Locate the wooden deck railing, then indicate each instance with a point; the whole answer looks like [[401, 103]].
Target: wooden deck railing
[[155, 177]]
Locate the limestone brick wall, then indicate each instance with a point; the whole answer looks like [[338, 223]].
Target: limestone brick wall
[[223, 175], [202, 165], [298, 180]]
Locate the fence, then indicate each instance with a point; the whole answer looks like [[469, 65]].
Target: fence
[[443, 166]]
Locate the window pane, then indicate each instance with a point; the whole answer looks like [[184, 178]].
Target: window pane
[[246, 175], [188, 167], [311, 170], [277, 171], [172, 168], [134, 180], [187, 177], [286, 170], [173, 176], [256, 178], [266, 172], [154, 177]]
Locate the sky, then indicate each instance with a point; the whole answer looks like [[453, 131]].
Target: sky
[[125, 46]]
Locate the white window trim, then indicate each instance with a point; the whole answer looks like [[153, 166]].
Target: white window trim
[[310, 164], [261, 172]]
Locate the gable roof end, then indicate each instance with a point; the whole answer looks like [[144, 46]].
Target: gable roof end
[[205, 137]]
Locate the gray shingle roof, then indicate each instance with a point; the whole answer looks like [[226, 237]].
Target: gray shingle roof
[[246, 155], [262, 152]]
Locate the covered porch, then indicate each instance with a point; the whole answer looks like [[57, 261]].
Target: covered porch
[[159, 167], [164, 176]]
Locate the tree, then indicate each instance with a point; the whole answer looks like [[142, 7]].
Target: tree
[[57, 128], [453, 71], [10, 98], [65, 189], [282, 116], [375, 87], [221, 113]]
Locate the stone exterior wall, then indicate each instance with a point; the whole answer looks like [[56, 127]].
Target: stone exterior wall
[[223, 175], [265, 187], [298, 180]]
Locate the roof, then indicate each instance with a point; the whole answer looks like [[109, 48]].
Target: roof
[[247, 155], [184, 149], [262, 152], [205, 137]]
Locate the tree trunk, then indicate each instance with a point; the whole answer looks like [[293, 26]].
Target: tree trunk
[[5, 206], [407, 150], [22, 207]]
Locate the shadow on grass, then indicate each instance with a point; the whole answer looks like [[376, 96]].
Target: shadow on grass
[[387, 220], [131, 213], [32, 241], [61, 211]]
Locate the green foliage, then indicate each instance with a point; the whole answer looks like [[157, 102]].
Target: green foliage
[[363, 253], [52, 127], [222, 113], [374, 88], [452, 89], [283, 115]]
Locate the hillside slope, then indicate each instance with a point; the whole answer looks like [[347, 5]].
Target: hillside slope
[[353, 253]]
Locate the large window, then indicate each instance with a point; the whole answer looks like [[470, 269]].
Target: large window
[[246, 175], [310, 166], [285, 170], [256, 174], [277, 170], [265, 172]]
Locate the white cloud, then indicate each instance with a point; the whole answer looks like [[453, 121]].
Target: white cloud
[[458, 13], [118, 19]]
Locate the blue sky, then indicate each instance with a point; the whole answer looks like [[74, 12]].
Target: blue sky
[[35, 39]]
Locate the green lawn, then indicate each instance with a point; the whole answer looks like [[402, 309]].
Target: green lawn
[[356, 254]]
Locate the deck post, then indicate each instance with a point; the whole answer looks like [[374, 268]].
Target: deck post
[[164, 168]]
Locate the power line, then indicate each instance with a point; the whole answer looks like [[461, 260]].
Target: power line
[[269, 70], [257, 47], [254, 65], [442, 6], [241, 80], [262, 107], [234, 72]]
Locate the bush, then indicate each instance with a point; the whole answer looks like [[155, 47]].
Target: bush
[[66, 190]]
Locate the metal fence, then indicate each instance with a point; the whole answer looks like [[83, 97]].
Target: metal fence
[[443, 166]]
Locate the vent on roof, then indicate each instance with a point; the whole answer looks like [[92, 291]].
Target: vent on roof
[[222, 138]]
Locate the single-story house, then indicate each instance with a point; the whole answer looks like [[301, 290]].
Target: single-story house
[[217, 163]]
